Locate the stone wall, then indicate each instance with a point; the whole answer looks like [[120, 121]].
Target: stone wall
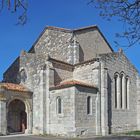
[[85, 124], [3, 122], [35, 66], [74, 120], [11, 74], [138, 102], [58, 44], [87, 73], [62, 124], [121, 120], [85, 44], [55, 43], [91, 43], [62, 72]]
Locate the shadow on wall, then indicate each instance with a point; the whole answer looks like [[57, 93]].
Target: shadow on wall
[[81, 54], [109, 104], [12, 73], [57, 78]]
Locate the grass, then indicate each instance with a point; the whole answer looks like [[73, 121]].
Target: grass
[[133, 133]]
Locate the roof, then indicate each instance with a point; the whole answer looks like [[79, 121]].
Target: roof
[[70, 83], [71, 65], [86, 27], [59, 61], [59, 29], [70, 30], [14, 87]]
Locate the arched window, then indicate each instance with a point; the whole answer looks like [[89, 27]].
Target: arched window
[[116, 89], [59, 105], [126, 91], [121, 83], [121, 89], [23, 76], [89, 105]]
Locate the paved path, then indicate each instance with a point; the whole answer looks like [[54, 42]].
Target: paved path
[[23, 137]]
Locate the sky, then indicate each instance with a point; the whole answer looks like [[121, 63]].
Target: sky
[[61, 13]]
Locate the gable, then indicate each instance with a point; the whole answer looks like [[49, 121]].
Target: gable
[[55, 42], [92, 42], [48, 36]]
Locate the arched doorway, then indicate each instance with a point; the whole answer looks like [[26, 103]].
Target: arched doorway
[[16, 117]]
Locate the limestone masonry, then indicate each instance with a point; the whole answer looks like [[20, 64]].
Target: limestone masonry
[[70, 83]]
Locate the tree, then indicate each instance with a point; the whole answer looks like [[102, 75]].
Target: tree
[[14, 6], [126, 11]]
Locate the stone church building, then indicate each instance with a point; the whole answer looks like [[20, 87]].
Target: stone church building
[[70, 83]]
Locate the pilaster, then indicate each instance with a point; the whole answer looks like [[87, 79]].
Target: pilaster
[[138, 102], [47, 85], [104, 100], [3, 121], [98, 115]]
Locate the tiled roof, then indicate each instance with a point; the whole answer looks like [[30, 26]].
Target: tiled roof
[[72, 83], [14, 87]]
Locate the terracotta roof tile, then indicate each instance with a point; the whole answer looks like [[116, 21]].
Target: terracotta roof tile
[[14, 87], [72, 83]]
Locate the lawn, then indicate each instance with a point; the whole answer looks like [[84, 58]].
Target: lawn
[[134, 133]]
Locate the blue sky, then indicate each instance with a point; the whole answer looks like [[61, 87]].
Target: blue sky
[[62, 13]]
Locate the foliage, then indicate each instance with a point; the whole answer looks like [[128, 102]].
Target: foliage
[[126, 11], [14, 6]]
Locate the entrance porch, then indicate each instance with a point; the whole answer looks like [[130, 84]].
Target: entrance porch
[[15, 109]]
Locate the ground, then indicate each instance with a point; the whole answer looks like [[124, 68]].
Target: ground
[[58, 138]]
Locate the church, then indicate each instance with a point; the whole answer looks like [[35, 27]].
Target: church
[[70, 83]]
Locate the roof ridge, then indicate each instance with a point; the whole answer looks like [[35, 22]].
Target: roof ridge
[[59, 28], [85, 27], [72, 82], [71, 30]]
